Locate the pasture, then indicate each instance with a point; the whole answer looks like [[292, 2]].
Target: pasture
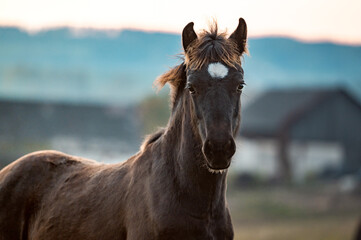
[[313, 212]]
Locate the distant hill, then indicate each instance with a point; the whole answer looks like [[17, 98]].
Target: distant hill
[[119, 67], [286, 62]]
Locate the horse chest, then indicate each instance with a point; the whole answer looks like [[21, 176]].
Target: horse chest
[[188, 227]]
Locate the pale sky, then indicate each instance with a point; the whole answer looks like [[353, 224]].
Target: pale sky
[[308, 20]]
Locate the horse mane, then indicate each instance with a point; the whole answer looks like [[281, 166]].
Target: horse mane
[[210, 46], [149, 139], [175, 76]]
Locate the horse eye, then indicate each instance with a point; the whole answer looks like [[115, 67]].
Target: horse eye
[[191, 89], [240, 87]]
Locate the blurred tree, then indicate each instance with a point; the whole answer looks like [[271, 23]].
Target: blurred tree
[[154, 112]]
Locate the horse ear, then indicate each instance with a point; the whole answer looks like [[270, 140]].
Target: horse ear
[[188, 35], [240, 36]]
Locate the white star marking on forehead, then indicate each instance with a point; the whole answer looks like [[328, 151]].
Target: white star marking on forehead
[[217, 70]]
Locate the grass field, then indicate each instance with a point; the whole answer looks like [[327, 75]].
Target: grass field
[[326, 228], [294, 213]]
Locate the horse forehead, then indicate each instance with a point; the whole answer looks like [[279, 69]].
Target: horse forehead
[[217, 70]]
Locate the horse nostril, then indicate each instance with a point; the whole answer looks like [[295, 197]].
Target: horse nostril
[[209, 147], [229, 143], [231, 147]]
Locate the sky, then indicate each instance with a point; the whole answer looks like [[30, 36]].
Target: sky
[[336, 21]]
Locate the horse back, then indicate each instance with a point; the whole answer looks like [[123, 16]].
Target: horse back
[[23, 185]]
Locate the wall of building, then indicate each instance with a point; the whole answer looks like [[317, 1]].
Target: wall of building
[[259, 156], [338, 119]]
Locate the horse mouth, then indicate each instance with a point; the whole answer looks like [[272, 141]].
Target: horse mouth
[[217, 170]]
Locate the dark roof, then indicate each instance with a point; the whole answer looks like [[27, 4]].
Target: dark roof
[[42, 120], [276, 109]]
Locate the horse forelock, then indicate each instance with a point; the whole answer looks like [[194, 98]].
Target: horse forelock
[[210, 46]]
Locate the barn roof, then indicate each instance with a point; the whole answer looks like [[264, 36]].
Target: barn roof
[[42, 120], [276, 109]]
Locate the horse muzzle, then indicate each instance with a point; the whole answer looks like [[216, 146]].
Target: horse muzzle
[[219, 152]]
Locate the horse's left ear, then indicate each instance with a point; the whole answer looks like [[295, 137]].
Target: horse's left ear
[[188, 35], [240, 36]]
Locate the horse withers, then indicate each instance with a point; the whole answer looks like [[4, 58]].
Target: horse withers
[[173, 188]]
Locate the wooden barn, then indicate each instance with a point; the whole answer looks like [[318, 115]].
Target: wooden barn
[[302, 131], [81, 129]]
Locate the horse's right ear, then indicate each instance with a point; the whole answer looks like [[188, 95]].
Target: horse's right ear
[[188, 35]]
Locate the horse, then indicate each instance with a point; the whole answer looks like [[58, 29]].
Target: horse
[[173, 188]]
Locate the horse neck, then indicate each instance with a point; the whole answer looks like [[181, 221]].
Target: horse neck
[[184, 147]]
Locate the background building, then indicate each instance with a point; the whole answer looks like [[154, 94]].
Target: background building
[[296, 132]]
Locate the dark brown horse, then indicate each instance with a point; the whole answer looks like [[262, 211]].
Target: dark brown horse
[[173, 188]]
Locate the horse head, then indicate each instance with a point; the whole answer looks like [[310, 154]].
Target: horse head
[[211, 78], [214, 79]]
